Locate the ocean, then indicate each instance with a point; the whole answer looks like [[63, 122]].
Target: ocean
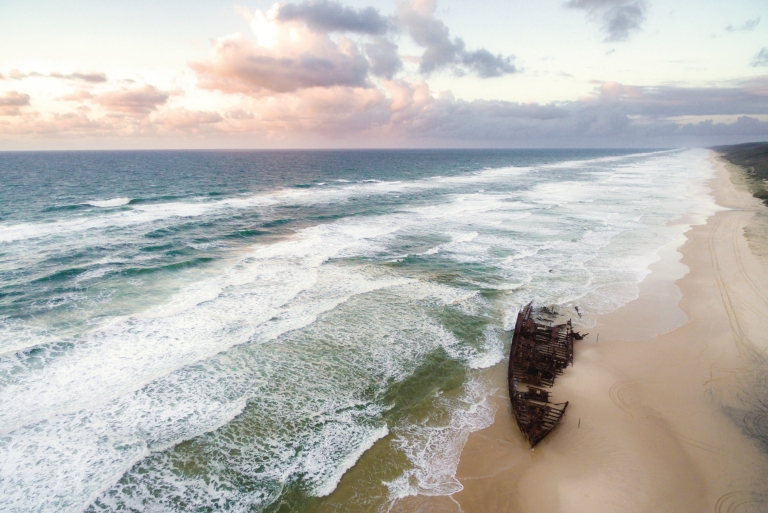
[[293, 330]]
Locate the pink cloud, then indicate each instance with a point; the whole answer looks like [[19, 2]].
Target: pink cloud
[[12, 102], [69, 124], [285, 55], [138, 102], [406, 113], [77, 96], [326, 111], [186, 120], [240, 66], [240, 114]]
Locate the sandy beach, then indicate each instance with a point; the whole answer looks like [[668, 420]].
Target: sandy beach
[[664, 408]]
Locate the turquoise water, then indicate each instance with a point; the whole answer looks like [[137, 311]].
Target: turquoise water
[[204, 331]]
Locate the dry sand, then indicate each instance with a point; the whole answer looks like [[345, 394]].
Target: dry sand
[[662, 414]]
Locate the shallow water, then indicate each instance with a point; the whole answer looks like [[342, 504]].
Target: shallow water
[[205, 331]]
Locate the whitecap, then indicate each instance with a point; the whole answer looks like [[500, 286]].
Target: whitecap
[[114, 202]]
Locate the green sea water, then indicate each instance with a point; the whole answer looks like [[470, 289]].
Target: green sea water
[[292, 331]]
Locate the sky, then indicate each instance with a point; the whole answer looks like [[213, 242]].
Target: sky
[[143, 74]]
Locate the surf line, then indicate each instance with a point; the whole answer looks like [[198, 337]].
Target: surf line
[[540, 351]]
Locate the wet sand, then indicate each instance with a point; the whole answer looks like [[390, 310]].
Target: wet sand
[[663, 412]]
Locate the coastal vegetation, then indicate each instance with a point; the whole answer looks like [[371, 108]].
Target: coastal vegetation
[[753, 158]]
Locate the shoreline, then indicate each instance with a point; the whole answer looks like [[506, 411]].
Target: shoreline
[[660, 417]]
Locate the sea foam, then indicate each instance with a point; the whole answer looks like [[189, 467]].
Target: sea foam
[[274, 365]]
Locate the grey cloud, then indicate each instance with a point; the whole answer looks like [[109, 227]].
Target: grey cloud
[[238, 68], [285, 74], [744, 125], [616, 115], [620, 18], [333, 17], [744, 97], [584, 125], [744, 27], [486, 65], [85, 77], [506, 123], [495, 109], [93, 78], [433, 36], [441, 51], [385, 61], [761, 59], [11, 103]]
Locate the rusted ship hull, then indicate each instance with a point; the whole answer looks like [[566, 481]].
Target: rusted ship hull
[[536, 420], [539, 354]]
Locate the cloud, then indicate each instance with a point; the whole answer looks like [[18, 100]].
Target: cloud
[[289, 56], [382, 53], [761, 59], [614, 115], [743, 126], [11, 103], [442, 51], [336, 111], [406, 113], [742, 97], [620, 18], [239, 66], [67, 124], [93, 78], [747, 26], [138, 102], [77, 96], [186, 120], [486, 65], [293, 49], [328, 16], [72, 123], [329, 73], [240, 114]]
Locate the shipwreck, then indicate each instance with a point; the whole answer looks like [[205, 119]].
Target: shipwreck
[[539, 353]]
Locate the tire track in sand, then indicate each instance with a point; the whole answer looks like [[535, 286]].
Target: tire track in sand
[[739, 502], [617, 394], [699, 444], [755, 306], [740, 262], [756, 423], [743, 344]]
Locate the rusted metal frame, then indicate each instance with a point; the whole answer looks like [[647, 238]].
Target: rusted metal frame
[[538, 354]]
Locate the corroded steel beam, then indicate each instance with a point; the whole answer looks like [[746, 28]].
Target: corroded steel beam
[[539, 354]]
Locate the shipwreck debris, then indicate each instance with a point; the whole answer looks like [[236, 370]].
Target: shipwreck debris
[[540, 352]]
